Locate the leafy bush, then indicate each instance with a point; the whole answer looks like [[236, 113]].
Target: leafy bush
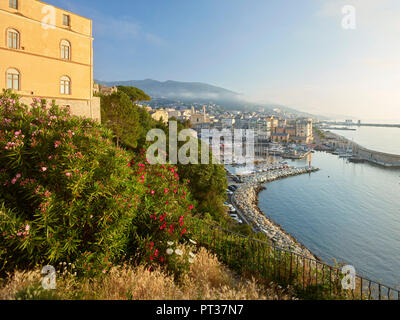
[[67, 191], [69, 194], [163, 211]]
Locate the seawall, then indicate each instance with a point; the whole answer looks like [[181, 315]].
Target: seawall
[[246, 199], [376, 157]]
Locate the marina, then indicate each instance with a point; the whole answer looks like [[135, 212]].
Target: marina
[[344, 213]]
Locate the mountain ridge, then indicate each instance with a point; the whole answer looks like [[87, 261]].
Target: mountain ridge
[[198, 92]]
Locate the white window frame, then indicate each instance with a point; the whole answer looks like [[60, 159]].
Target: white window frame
[[13, 38], [13, 79], [66, 18], [65, 50], [65, 85], [13, 4]]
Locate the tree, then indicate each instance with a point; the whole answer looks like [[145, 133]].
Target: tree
[[134, 94], [207, 182], [122, 117]]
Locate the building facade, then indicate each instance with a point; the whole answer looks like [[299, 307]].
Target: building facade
[[47, 52], [198, 117], [160, 115]]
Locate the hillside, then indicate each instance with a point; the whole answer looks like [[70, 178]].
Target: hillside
[[197, 92]]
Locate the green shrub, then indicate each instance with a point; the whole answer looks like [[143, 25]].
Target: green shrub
[[67, 190], [162, 213], [70, 194]]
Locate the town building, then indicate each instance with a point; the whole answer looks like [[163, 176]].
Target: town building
[[280, 137], [106, 91], [160, 115], [227, 122], [198, 117], [304, 132], [47, 52]]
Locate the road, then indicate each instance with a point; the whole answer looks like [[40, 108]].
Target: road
[[231, 201]]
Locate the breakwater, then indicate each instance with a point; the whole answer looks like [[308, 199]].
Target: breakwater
[[365, 154], [246, 199]]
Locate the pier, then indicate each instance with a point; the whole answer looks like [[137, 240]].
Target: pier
[[361, 154]]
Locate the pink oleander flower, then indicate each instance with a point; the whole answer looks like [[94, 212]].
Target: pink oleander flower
[[44, 169], [27, 227], [68, 174], [57, 144]]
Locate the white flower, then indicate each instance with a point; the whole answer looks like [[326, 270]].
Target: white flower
[[179, 252], [191, 260], [170, 243], [170, 251], [191, 254], [192, 241]]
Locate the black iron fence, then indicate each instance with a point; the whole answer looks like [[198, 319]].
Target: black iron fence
[[309, 278]]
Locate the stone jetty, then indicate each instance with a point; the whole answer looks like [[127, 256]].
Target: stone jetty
[[246, 200]]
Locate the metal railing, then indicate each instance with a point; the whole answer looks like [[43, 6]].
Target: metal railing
[[309, 278]]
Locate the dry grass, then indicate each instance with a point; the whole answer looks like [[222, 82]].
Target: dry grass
[[206, 279]]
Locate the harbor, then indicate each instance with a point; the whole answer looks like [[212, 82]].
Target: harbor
[[245, 199], [374, 145], [345, 213]]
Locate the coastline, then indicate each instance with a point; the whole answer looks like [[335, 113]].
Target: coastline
[[383, 159], [301, 245], [246, 199]]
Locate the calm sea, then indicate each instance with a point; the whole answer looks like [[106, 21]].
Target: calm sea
[[346, 211], [375, 138]]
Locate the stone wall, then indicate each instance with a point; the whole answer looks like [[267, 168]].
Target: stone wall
[[386, 159], [81, 108], [380, 158]]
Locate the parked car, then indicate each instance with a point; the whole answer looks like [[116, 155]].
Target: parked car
[[238, 220], [232, 188]]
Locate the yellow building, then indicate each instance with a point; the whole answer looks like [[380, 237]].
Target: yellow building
[[304, 132], [159, 115], [47, 52]]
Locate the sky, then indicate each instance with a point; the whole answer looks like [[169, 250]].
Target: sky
[[289, 52]]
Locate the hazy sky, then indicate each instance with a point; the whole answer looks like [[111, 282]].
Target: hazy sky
[[283, 51]]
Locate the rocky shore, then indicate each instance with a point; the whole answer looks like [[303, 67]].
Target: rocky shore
[[246, 200]]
